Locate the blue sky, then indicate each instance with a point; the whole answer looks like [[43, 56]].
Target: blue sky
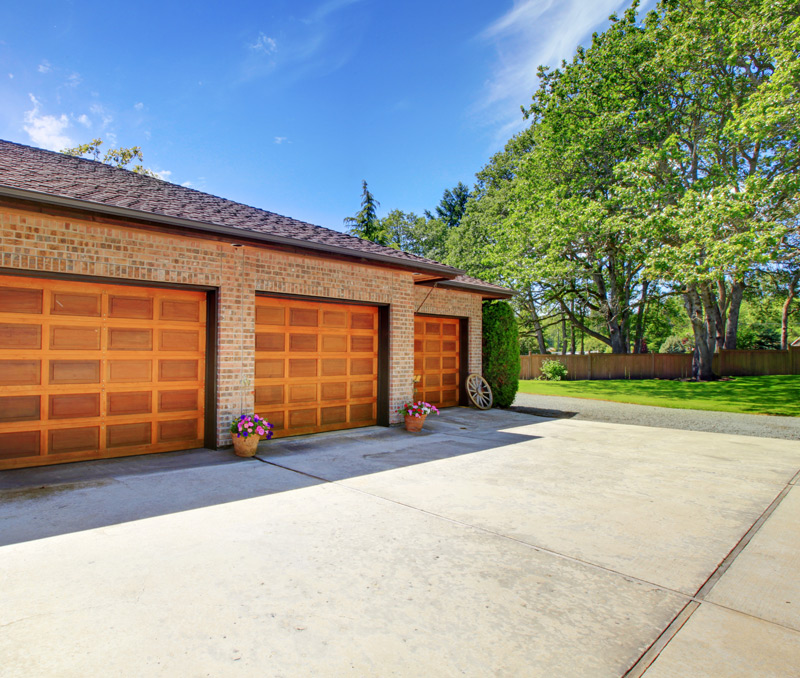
[[288, 105]]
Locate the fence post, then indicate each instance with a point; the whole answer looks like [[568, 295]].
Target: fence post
[[589, 354]]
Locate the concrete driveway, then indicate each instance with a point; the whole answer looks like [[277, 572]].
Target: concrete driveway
[[492, 544]]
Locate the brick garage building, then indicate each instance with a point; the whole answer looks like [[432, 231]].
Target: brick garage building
[[138, 316]]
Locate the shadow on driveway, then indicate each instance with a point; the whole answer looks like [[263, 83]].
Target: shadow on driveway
[[49, 501]]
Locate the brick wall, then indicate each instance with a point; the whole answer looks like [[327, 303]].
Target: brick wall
[[36, 242]]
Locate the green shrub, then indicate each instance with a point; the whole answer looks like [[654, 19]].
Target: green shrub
[[673, 344], [552, 370], [758, 337], [500, 351]]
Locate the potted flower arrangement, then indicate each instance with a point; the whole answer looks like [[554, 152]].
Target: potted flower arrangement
[[415, 413], [247, 431]]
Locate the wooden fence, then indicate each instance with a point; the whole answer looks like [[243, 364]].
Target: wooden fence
[[665, 365]]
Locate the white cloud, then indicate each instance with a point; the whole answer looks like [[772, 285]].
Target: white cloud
[[100, 111], [139, 106], [84, 120], [11, 75], [534, 33], [264, 44], [280, 140], [46, 131], [187, 184], [164, 175], [45, 66], [327, 8], [73, 80]]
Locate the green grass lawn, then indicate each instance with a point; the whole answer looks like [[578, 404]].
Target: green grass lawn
[[752, 395]]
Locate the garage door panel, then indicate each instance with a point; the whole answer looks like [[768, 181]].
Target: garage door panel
[[180, 311], [179, 401], [270, 341], [80, 365], [19, 444], [268, 395], [14, 335], [178, 370], [20, 408], [21, 300], [334, 343], [20, 372], [181, 429], [130, 403], [437, 360], [303, 317], [336, 390], [73, 440], [129, 371], [334, 367], [130, 339], [303, 342], [139, 308], [74, 372], [180, 340], [74, 406], [267, 314], [319, 360], [73, 303], [125, 435]]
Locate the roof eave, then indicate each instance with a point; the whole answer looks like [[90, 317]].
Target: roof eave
[[488, 292], [217, 229]]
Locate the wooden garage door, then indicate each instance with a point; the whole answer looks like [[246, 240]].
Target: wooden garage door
[[316, 365], [436, 359], [89, 371]]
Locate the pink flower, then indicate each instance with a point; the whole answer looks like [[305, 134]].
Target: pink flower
[[260, 431]]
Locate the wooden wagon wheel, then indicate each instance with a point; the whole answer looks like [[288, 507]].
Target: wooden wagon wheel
[[479, 391]]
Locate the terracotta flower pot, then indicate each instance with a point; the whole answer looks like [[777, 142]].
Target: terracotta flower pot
[[246, 447], [414, 424]]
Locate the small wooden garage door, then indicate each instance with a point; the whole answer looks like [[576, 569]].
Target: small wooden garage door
[[316, 365], [436, 359], [89, 371]]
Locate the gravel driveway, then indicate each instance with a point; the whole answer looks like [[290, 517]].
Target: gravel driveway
[[762, 426]]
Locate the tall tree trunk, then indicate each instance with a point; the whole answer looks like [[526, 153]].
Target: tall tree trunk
[[537, 326], [704, 344], [732, 327], [609, 309], [639, 335], [787, 305], [564, 334]]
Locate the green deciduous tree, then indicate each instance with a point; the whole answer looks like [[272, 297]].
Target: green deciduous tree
[[714, 194], [118, 157]]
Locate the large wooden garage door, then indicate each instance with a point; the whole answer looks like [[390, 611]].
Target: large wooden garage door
[[316, 365], [437, 360], [89, 371]]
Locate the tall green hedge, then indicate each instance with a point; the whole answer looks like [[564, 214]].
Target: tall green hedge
[[500, 351]]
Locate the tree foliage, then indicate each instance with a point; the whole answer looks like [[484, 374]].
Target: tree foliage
[[118, 157], [501, 351], [365, 224]]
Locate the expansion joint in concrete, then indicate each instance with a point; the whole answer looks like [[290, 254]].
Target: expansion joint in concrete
[[652, 652]]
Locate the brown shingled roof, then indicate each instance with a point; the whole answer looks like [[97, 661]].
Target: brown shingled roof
[[99, 186]]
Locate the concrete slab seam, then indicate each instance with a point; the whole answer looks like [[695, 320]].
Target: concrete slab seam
[[652, 652], [286, 468]]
